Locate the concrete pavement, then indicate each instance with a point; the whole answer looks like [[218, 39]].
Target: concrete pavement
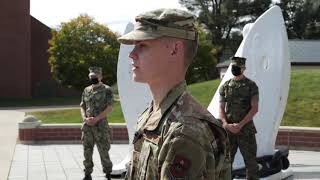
[[8, 138], [64, 162], [58, 162], [305, 164]]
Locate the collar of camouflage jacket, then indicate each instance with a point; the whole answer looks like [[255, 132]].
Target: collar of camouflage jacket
[[156, 115]]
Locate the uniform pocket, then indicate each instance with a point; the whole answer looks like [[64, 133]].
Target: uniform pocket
[[84, 127], [102, 131], [131, 173], [99, 98], [143, 161]]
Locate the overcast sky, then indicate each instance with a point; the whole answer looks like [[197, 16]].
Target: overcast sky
[[113, 13]]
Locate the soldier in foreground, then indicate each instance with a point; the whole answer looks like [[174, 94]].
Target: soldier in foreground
[[96, 104], [175, 138], [239, 98]]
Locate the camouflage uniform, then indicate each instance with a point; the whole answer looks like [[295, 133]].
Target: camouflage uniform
[[237, 96], [94, 102], [180, 140]]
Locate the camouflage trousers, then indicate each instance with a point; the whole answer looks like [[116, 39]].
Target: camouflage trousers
[[246, 141], [99, 135]]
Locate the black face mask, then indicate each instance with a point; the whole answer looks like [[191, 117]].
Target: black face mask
[[94, 81], [236, 70]]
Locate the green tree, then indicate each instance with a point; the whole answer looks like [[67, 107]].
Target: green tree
[[302, 18], [220, 17], [79, 44], [203, 67], [312, 10]]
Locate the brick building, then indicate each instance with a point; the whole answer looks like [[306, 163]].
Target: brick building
[[24, 68]]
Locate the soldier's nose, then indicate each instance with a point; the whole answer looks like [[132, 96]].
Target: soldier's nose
[[132, 55]]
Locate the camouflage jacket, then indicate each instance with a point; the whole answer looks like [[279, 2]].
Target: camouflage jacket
[[180, 140], [237, 96], [94, 101]]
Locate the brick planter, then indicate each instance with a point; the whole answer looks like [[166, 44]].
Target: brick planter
[[66, 133], [299, 138], [291, 137]]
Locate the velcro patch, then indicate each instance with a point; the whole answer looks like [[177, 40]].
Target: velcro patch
[[152, 138]]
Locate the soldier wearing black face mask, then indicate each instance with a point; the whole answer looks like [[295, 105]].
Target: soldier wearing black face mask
[[94, 80], [96, 104], [236, 70], [239, 99]]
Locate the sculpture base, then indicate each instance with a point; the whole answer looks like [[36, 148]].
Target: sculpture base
[[284, 175], [270, 166], [120, 168]]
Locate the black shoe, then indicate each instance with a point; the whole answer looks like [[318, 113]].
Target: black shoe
[[87, 177], [108, 176]]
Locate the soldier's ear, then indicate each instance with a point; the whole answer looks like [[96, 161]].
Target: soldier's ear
[[178, 48]]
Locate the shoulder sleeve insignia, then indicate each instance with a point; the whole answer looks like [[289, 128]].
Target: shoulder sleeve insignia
[[179, 167]]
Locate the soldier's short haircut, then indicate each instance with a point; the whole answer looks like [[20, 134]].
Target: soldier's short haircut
[[190, 51], [190, 48]]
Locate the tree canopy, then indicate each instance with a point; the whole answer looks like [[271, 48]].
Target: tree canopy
[[79, 44], [222, 17], [203, 67], [302, 18]]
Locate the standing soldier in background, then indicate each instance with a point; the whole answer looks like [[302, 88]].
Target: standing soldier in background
[[239, 98], [96, 104], [176, 138]]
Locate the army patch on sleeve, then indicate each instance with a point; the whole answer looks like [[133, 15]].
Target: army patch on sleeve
[[179, 167]]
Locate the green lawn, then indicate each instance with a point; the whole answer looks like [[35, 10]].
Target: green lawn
[[73, 115], [204, 91], [303, 108]]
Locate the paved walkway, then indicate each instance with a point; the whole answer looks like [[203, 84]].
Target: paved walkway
[[64, 162], [58, 162], [305, 164], [8, 137]]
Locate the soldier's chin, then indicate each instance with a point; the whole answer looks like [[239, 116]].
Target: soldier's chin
[[137, 79]]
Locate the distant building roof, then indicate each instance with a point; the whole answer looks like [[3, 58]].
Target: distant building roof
[[301, 52], [304, 51], [223, 64]]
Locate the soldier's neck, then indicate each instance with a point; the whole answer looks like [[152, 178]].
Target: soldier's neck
[[160, 90], [238, 78], [95, 86]]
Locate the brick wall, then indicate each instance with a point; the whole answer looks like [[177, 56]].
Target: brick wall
[[299, 138], [291, 137], [15, 49], [66, 132], [42, 83]]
